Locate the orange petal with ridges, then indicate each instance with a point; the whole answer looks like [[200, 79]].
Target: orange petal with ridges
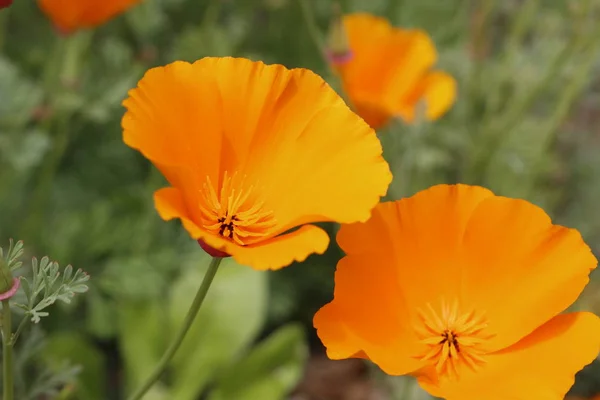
[[521, 269], [270, 254], [338, 340], [367, 315], [388, 73], [227, 128], [542, 366], [70, 15], [424, 233]]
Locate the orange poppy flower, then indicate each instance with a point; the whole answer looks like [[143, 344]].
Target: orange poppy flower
[[253, 151], [463, 289], [70, 15], [388, 71]]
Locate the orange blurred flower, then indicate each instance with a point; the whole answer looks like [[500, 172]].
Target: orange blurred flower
[[70, 15], [387, 72], [253, 151], [463, 289], [5, 3]]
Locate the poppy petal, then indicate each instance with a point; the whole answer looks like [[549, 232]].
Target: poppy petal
[[409, 55], [367, 315], [540, 366], [270, 254], [334, 334], [274, 253], [261, 136], [520, 269], [438, 90], [170, 203], [424, 234], [70, 15], [171, 118]]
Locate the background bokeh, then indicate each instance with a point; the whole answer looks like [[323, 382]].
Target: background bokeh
[[526, 124]]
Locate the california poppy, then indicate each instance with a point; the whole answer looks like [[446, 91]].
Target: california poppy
[[252, 152], [71, 15], [463, 289], [386, 72]]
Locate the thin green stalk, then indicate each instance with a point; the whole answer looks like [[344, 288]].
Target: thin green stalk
[[187, 323], [569, 95], [521, 22], [7, 352], [315, 35], [20, 328], [60, 74], [479, 36], [47, 174], [311, 25], [483, 158]]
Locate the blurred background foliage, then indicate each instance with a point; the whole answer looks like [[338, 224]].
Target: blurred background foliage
[[526, 124]]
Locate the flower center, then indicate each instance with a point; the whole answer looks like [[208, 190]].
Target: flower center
[[235, 212], [452, 338]]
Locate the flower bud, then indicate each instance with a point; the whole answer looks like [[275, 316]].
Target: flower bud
[[338, 45], [8, 284]]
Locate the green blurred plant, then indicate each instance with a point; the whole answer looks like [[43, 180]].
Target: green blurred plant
[[218, 347], [45, 289], [523, 126]]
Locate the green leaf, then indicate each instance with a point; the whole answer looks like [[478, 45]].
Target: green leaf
[[270, 371], [78, 350], [232, 314]]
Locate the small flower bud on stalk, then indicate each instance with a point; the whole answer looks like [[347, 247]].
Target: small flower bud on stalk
[[338, 45], [8, 284]]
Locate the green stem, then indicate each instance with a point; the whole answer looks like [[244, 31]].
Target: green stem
[[565, 103], [7, 352], [187, 323], [48, 172], [311, 25], [315, 35], [518, 29], [20, 328]]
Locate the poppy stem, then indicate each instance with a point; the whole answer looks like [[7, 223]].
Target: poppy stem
[[187, 323], [315, 35], [311, 25], [7, 352]]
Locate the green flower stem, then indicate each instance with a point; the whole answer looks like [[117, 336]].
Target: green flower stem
[[567, 99], [311, 25], [20, 328], [7, 352], [46, 178], [315, 35], [187, 323]]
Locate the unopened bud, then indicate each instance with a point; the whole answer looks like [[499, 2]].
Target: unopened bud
[[8, 284], [338, 45]]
